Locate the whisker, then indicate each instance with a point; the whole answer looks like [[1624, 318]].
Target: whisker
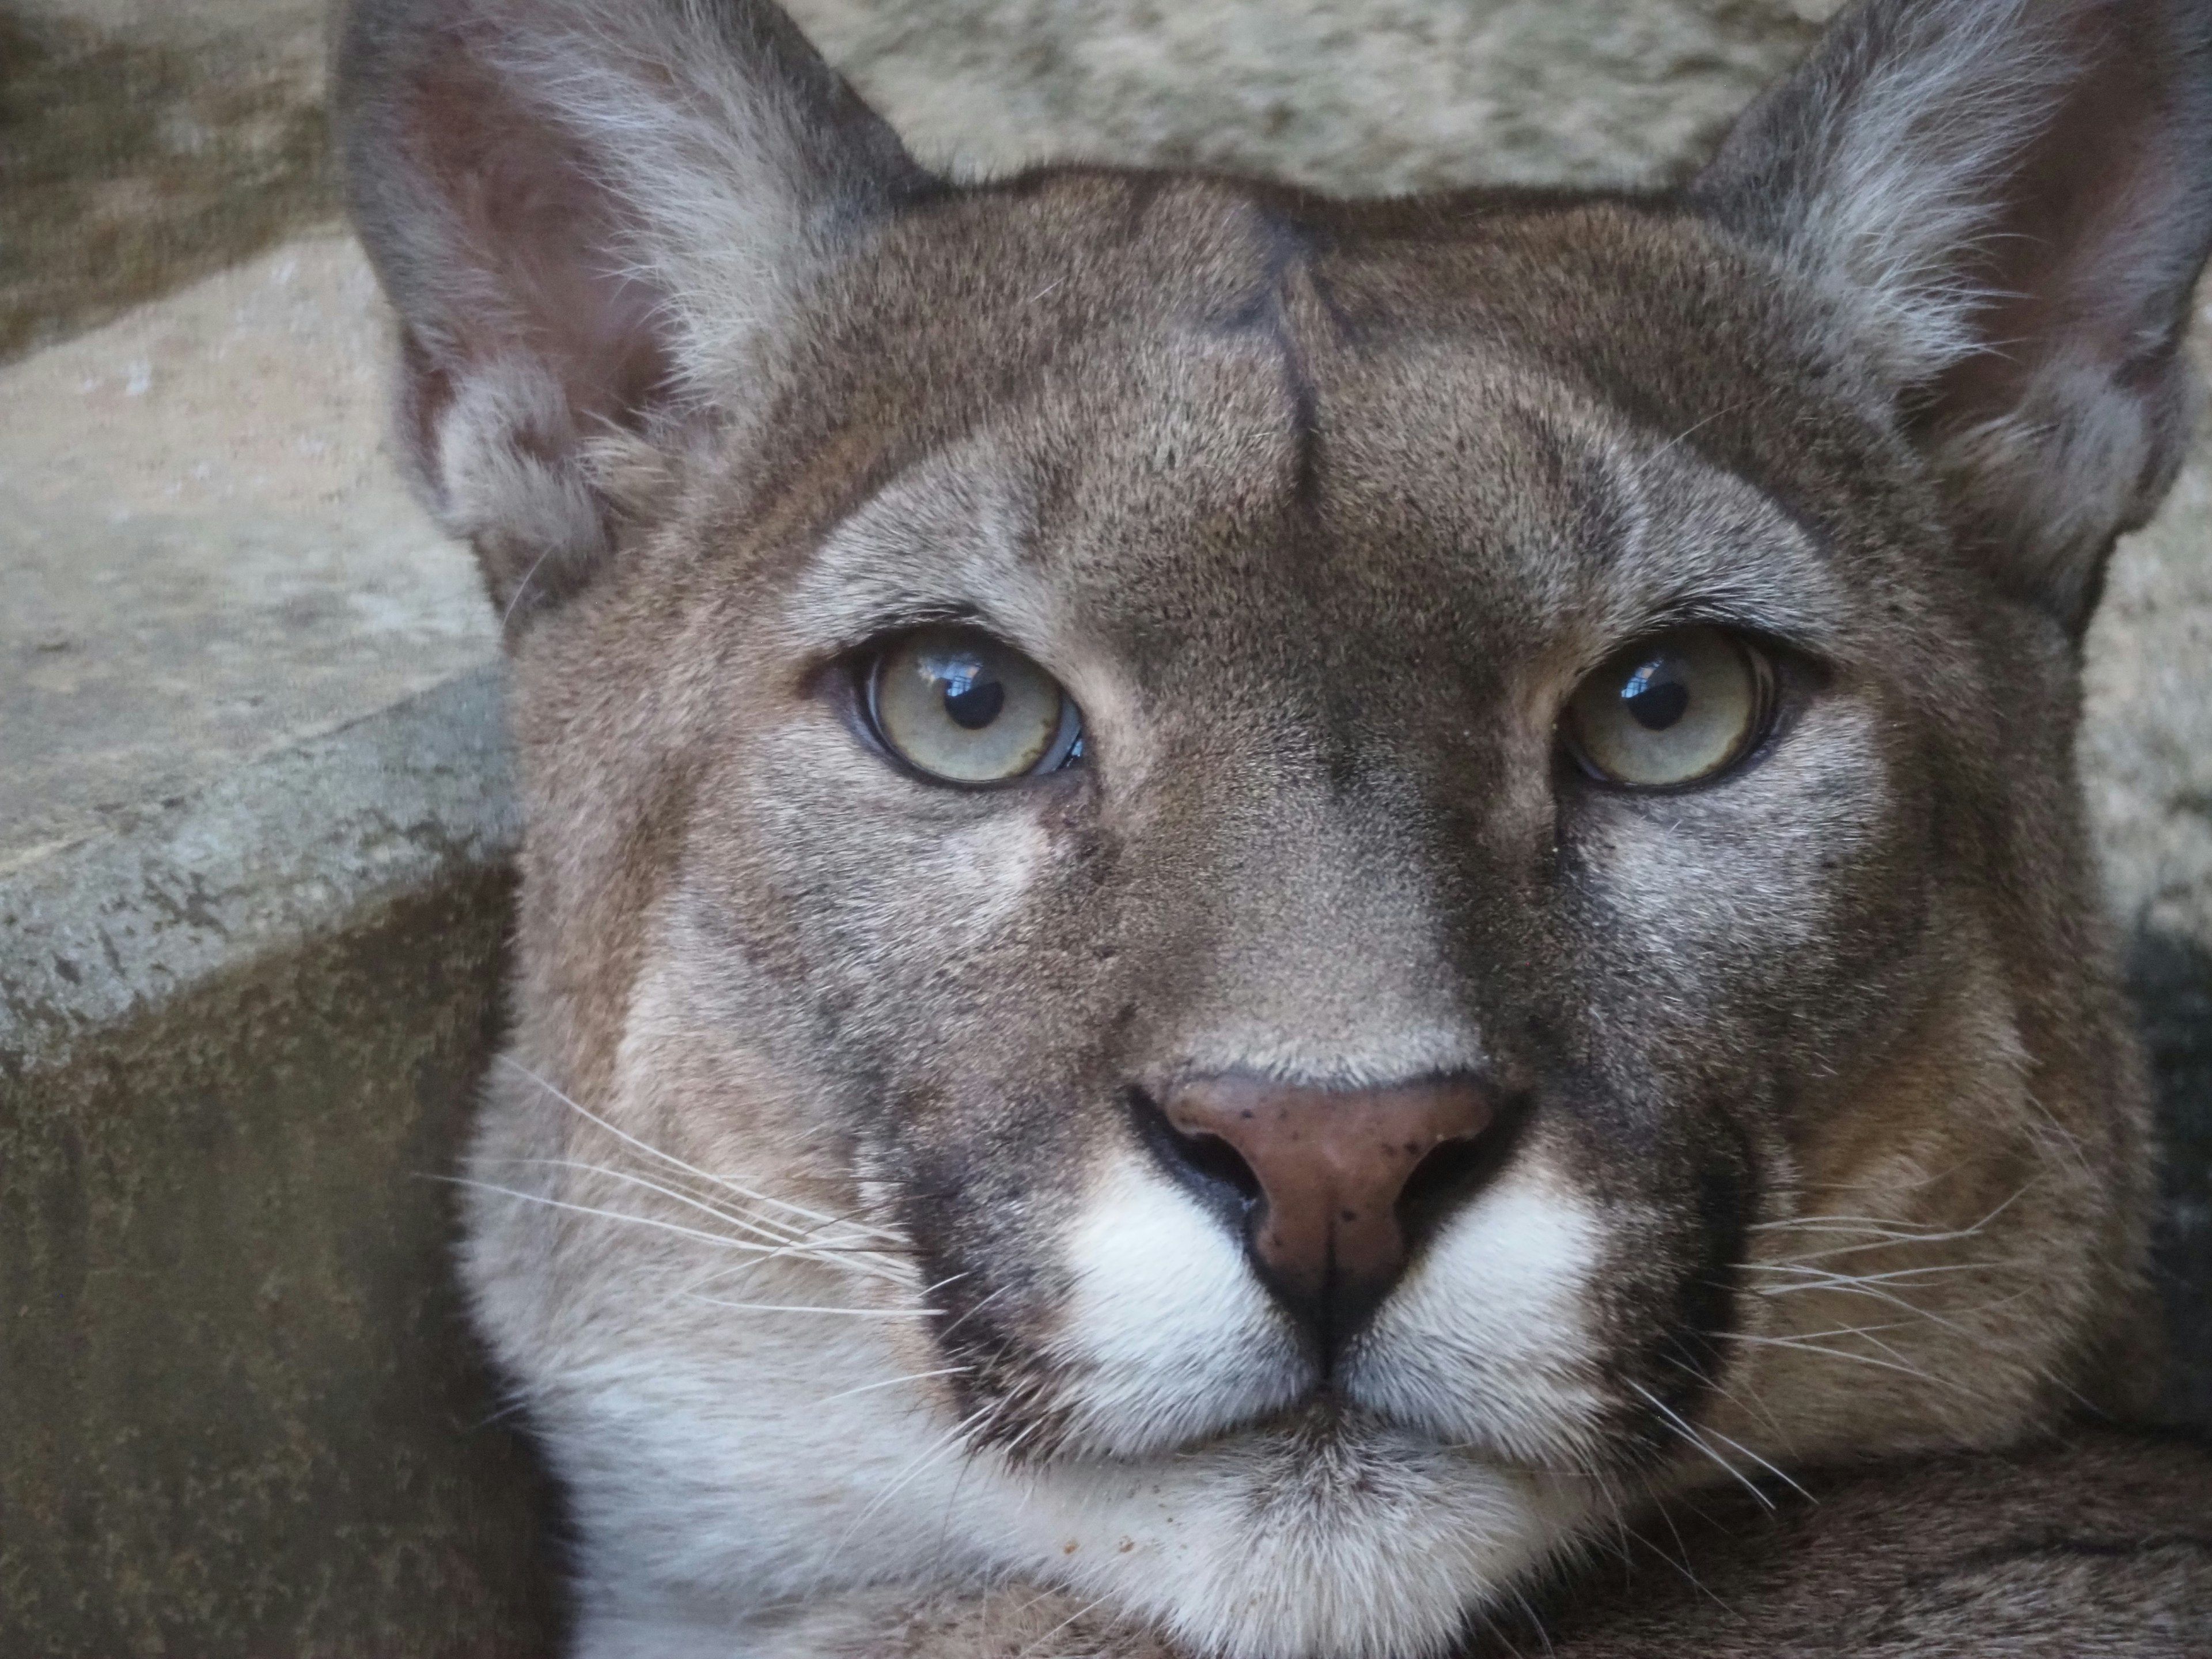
[[651, 1150], [1535, 1623], [1087, 1609], [953, 1439], [720, 1241], [893, 1382], [762, 1253], [1896, 1229], [1855, 1358], [1785, 1478], [1697, 1441], [1682, 1567], [794, 1308], [783, 1236], [1757, 1406], [1814, 1279]]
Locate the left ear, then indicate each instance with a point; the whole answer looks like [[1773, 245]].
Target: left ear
[[2013, 199]]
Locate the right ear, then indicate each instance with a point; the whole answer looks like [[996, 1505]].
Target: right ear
[[589, 215]]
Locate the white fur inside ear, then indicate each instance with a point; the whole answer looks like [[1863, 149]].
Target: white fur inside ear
[[732, 193], [1168, 1334], [1893, 160], [505, 473]]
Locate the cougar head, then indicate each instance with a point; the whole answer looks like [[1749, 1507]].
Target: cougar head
[[1251, 902]]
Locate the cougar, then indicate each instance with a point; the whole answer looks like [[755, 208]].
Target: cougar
[[1251, 924]]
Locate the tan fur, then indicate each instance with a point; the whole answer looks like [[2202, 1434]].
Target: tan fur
[[814, 1212]]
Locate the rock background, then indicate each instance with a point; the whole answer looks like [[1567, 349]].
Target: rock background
[[143, 142]]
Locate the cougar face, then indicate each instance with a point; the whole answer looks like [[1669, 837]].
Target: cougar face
[[1253, 904]]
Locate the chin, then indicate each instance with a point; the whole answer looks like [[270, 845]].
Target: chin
[[1324, 1534]]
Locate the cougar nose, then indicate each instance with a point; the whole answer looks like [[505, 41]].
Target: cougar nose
[[1328, 1180]]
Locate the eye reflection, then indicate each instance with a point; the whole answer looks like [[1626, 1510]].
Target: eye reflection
[[958, 705], [1671, 710], [1656, 703]]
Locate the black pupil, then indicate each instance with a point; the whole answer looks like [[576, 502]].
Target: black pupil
[[1655, 705], [972, 700]]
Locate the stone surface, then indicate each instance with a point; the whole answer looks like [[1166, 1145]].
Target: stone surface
[[208, 553], [145, 141], [1368, 97], [2147, 765], [256, 865], [239, 1038], [243, 1414]]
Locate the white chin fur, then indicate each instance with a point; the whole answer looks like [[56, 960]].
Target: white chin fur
[[1167, 1338], [1378, 1535], [1358, 1542]]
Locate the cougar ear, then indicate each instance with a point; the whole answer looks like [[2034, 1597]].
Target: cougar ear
[[588, 214], [2013, 198]]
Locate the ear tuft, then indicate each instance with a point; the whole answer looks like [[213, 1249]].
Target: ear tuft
[[2011, 200], [592, 217]]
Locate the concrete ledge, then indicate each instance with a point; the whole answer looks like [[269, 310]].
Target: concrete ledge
[[244, 1415], [237, 1051], [144, 144], [305, 844]]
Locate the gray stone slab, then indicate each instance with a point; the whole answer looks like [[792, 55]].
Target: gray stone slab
[[1381, 96], [143, 142], [243, 1416], [205, 552], [257, 864]]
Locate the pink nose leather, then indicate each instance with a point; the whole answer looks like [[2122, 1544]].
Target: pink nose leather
[[1331, 1166]]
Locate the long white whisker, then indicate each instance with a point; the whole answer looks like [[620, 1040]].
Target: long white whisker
[[1697, 1440], [1872, 1291], [720, 1241], [893, 1382], [780, 1235], [1087, 1609], [1762, 1463], [651, 1150], [794, 1308], [1844, 1353], [1894, 1228], [1814, 1279], [952, 1440]]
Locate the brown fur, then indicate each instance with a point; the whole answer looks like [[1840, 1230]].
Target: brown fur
[[1828, 1133]]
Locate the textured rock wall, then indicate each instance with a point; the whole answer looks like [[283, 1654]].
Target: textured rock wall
[[1362, 96], [145, 141]]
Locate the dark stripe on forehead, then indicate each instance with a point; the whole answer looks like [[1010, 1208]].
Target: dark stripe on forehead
[[1287, 304]]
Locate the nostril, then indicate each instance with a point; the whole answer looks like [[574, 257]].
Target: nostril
[[1216, 1159], [1442, 1173], [1452, 1171], [1207, 1165]]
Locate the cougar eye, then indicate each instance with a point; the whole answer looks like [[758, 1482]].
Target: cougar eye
[[959, 706], [1672, 709]]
